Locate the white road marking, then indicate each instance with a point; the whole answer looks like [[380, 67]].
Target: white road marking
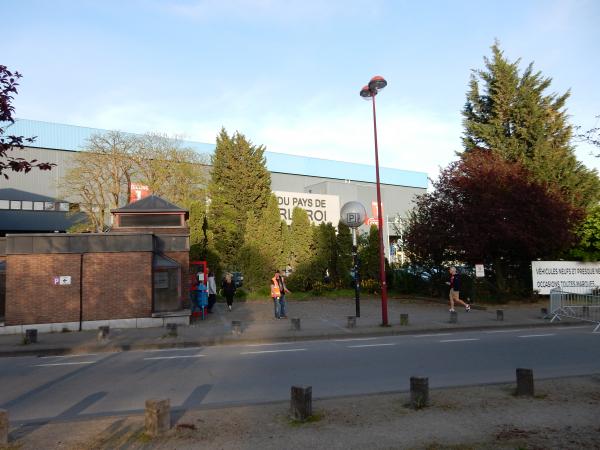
[[537, 335], [567, 327], [82, 355], [356, 339], [460, 340], [432, 335], [174, 357], [176, 349], [64, 364], [502, 331], [369, 345], [274, 351], [271, 343]]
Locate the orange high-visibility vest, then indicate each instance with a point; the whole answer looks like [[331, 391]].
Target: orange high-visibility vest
[[275, 291]]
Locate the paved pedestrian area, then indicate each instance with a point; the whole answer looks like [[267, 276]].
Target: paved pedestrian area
[[319, 318]]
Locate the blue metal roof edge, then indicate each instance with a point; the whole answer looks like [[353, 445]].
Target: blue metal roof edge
[[73, 137]]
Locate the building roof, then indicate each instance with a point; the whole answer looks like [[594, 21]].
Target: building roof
[[17, 194], [74, 138], [37, 221], [149, 204]]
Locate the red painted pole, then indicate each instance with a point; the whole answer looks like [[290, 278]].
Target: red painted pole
[[384, 309]]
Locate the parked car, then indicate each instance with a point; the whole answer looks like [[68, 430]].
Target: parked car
[[238, 279]]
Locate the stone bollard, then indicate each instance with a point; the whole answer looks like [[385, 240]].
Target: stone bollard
[[419, 392], [295, 324], [525, 382], [172, 329], [3, 427], [453, 317], [404, 319], [103, 332], [31, 336], [236, 326], [351, 322], [301, 402], [500, 314], [157, 417]]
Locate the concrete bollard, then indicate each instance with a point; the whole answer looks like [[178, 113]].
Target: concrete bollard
[[500, 314], [403, 320], [157, 417], [172, 329], [525, 382], [236, 326], [3, 427], [351, 322], [31, 336], [419, 392], [301, 402], [453, 317], [295, 324], [103, 332]]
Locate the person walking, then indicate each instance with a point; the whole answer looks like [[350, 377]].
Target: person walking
[[454, 284], [228, 290], [278, 291], [212, 291]]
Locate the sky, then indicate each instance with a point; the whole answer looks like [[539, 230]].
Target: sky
[[287, 73]]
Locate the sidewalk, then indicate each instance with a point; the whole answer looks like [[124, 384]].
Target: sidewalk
[[322, 318]]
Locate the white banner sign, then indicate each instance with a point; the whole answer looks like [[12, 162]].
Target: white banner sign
[[566, 275], [319, 207]]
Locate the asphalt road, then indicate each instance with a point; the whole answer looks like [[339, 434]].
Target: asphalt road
[[68, 387]]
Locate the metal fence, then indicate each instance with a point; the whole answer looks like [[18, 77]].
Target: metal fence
[[583, 306]]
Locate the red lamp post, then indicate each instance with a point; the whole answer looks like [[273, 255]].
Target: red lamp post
[[369, 92]]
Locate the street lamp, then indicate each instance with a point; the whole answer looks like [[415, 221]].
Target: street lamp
[[369, 92]]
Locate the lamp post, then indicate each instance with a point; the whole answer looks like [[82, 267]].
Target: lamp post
[[369, 92], [353, 214]]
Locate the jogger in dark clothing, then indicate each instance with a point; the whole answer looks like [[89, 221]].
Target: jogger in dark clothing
[[228, 290]]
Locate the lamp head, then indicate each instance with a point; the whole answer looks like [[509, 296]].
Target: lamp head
[[366, 93], [377, 83]]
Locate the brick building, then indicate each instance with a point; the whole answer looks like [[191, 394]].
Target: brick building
[[133, 276]]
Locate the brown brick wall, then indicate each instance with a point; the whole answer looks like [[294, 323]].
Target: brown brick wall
[[32, 297], [117, 285]]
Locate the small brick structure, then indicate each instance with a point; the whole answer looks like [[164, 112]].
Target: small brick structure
[[128, 273]]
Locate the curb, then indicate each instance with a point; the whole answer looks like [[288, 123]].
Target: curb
[[233, 340]]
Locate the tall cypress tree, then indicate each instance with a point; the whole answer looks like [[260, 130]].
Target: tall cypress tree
[[240, 183], [300, 237], [344, 252], [512, 114]]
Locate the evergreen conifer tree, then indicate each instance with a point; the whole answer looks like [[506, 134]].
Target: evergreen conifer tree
[[300, 237], [512, 114], [344, 253], [240, 183]]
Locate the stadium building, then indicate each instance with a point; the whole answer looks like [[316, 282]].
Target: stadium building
[[32, 203]]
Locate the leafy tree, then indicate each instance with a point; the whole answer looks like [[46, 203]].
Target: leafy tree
[[263, 250], [485, 209], [8, 143], [368, 253], [591, 136], [240, 183], [511, 114], [344, 253], [588, 248], [300, 238]]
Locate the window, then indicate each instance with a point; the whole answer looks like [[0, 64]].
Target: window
[[150, 220], [4, 204], [63, 207], [27, 205], [15, 204], [38, 206], [48, 206]]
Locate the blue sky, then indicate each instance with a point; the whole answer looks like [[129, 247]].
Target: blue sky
[[287, 73]]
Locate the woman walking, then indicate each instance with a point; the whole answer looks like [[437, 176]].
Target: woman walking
[[228, 290]]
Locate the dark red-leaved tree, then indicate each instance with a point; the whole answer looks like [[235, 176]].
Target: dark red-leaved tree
[[485, 209], [8, 88]]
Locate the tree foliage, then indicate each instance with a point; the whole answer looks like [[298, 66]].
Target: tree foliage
[[485, 209], [511, 114], [300, 239], [240, 183], [588, 234], [8, 143], [99, 178]]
